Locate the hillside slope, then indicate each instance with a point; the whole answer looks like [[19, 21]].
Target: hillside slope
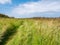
[[42, 31], [2, 15]]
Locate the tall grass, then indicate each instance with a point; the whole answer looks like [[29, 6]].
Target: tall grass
[[10, 31], [31, 32]]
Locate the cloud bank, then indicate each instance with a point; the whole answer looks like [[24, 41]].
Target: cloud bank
[[43, 6]]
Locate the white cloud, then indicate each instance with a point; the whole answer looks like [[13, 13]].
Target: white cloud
[[5, 1], [31, 9]]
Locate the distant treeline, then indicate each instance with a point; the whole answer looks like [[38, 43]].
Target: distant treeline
[[5, 16]]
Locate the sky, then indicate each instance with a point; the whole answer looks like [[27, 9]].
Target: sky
[[30, 8]]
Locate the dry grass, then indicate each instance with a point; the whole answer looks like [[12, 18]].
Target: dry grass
[[42, 31]]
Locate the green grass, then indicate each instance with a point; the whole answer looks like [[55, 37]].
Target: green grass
[[29, 31]]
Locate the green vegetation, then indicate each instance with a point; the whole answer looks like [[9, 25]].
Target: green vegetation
[[36, 31]]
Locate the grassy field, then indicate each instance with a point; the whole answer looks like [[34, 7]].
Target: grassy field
[[41, 31]]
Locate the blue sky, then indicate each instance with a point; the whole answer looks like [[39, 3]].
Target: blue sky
[[30, 8]]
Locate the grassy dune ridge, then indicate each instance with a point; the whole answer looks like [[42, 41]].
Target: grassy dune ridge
[[34, 31]]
